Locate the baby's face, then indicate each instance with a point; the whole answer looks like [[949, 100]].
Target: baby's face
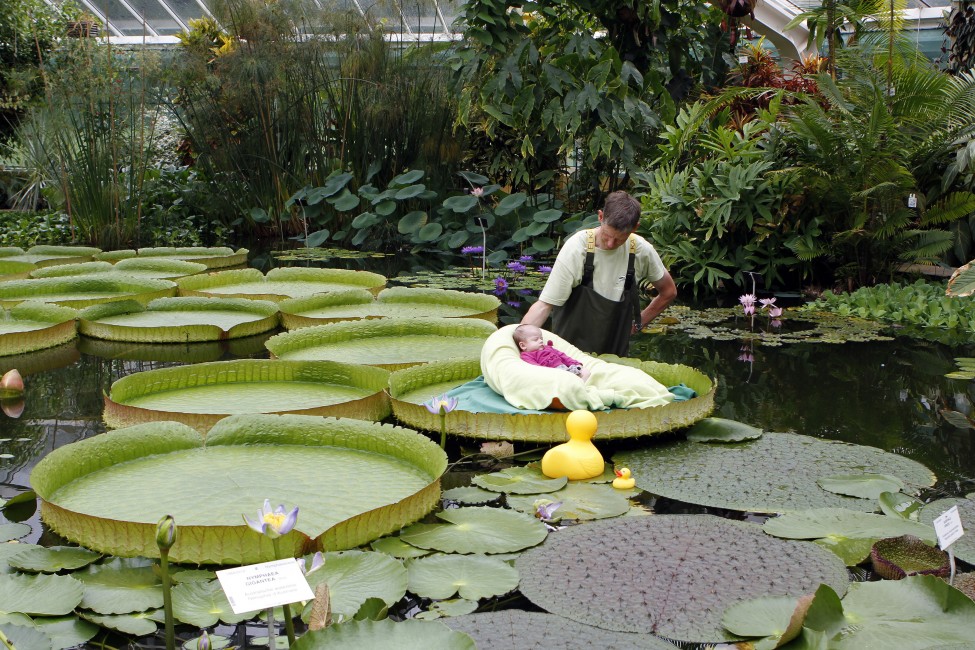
[[532, 342]]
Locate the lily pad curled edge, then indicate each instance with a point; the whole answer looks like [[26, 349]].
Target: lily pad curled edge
[[83, 291], [722, 430], [62, 326], [237, 544], [204, 284]]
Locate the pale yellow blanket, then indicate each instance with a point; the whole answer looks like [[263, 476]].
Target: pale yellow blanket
[[527, 386]]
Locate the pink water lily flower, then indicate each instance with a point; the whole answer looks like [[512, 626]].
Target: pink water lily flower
[[767, 303], [775, 312], [273, 523], [478, 191], [441, 405]]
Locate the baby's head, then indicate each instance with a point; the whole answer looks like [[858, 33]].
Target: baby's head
[[528, 338]]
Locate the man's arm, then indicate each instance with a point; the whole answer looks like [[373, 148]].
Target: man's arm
[[539, 312], [666, 292]]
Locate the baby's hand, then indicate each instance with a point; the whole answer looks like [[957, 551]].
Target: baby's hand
[[584, 374]]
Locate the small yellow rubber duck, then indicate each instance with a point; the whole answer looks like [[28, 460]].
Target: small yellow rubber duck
[[578, 458], [623, 480]]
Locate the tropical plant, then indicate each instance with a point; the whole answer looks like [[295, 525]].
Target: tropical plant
[[961, 32], [826, 21]]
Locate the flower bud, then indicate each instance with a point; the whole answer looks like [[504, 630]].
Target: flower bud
[[166, 533], [203, 643]]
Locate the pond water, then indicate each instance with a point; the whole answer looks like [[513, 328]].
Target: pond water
[[887, 394]]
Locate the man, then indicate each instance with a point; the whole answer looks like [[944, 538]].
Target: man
[[593, 288]]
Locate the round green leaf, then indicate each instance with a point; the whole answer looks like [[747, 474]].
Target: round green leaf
[[469, 576], [470, 495], [409, 192], [354, 577], [397, 548], [837, 522], [430, 232], [345, 201], [852, 550], [547, 216], [519, 480], [204, 604], [42, 594], [443, 608], [461, 203], [473, 178], [477, 530], [317, 238], [580, 501], [9, 532], [861, 486], [66, 631], [365, 220], [141, 624], [121, 587], [410, 634], [759, 617], [510, 203], [543, 244], [53, 559], [722, 430], [895, 504], [22, 636], [411, 222], [385, 208], [406, 178]]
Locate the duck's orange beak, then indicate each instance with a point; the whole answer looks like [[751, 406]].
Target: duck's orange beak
[[618, 473]]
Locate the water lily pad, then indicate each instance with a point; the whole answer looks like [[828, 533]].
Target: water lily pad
[[512, 628], [140, 624], [204, 604], [43, 255], [775, 473], [33, 326], [279, 283], [66, 631], [470, 495], [159, 267], [861, 486], [391, 343], [398, 302], [200, 395], [397, 548], [582, 501], [837, 522], [519, 480], [671, 575], [722, 430], [213, 257], [410, 387], [85, 291], [179, 320], [477, 530], [53, 559], [9, 532], [773, 617], [22, 636], [444, 608], [852, 550], [410, 634], [68, 270], [469, 576], [108, 492], [15, 269], [7, 551], [354, 577], [121, 587], [964, 547], [896, 504], [895, 558], [41, 595]]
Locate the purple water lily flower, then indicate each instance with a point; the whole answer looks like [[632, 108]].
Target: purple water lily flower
[[273, 523], [545, 508], [500, 284], [526, 258], [514, 303], [441, 405], [517, 267], [317, 562], [472, 250], [544, 269]]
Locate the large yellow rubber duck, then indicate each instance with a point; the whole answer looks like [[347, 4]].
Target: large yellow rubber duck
[[578, 458], [623, 480]]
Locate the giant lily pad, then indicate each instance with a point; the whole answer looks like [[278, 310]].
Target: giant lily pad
[[513, 628], [158, 268], [279, 284], [477, 530], [215, 257], [33, 326], [179, 320], [242, 348], [390, 343], [964, 547], [470, 576], [410, 634], [670, 575], [519, 480], [775, 473], [410, 387], [86, 290], [15, 269], [71, 270], [202, 394], [108, 492], [51, 255], [399, 302]]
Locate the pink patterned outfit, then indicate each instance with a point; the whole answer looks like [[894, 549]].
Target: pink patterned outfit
[[549, 357]]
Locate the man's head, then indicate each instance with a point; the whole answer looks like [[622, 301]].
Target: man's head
[[617, 220], [528, 338]]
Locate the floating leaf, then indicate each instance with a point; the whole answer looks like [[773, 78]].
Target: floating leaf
[[42, 594], [52, 559], [722, 430], [397, 548], [477, 530], [279, 283], [766, 617], [861, 486], [580, 501], [22, 636], [895, 504], [410, 634], [519, 480], [84, 291], [32, 326], [837, 522], [354, 577], [444, 608], [852, 550], [469, 576], [470, 495], [121, 587], [9, 532], [141, 624], [964, 547], [66, 631], [204, 604]]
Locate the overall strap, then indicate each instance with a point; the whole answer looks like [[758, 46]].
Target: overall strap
[[589, 265], [630, 272]]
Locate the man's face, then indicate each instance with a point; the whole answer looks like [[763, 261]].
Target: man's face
[[609, 238]]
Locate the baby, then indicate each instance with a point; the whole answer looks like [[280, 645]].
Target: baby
[[535, 351]]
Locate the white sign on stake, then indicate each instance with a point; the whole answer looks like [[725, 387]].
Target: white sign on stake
[[260, 586], [948, 527]]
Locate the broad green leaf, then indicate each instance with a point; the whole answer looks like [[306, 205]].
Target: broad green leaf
[[895, 504], [543, 244], [121, 587], [7, 551], [67, 631], [861, 486], [470, 495], [22, 636], [519, 480], [837, 522], [397, 548], [317, 238], [52, 559], [852, 550], [41, 595], [477, 530], [345, 201], [469, 576], [278, 284], [410, 192], [383, 209], [384, 635], [406, 178], [353, 577], [33, 325], [411, 222], [473, 177], [513, 628], [430, 232], [964, 547], [446, 608], [582, 501], [9, 532], [204, 604], [191, 575], [722, 430], [461, 203], [547, 216], [140, 624], [760, 617], [365, 220], [510, 203]]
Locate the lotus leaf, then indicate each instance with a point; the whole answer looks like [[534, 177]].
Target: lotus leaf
[[279, 283], [895, 558], [84, 291], [400, 302], [469, 576], [775, 473], [444, 608], [179, 320], [66, 631], [397, 548], [204, 604], [22, 636], [141, 624], [861, 486], [51, 560], [722, 430], [9, 532], [470, 495], [838, 523], [477, 530], [354, 577], [108, 492], [121, 587], [33, 326], [410, 634], [580, 501], [519, 480], [410, 387], [910, 614], [200, 395], [964, 547], [671, 575], [42, 594], [391, 343], [512, 628]]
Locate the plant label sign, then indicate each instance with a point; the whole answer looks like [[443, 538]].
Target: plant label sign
[[260, 586], [948, 527]]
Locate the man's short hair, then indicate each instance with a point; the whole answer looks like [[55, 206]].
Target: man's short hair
[[621, 211]]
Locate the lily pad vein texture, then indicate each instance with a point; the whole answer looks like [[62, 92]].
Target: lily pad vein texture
[[775, 473], [669, 575], [108, 492]]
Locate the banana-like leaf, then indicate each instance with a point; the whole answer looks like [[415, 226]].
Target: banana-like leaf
[[179, 320], [398, 302], [410, 634], [86, 290], [202, 394], [964, 547], [31, 326], [469, 576], [108, 492], [409, 388], [391, 343], [279, 283], [477, 530]]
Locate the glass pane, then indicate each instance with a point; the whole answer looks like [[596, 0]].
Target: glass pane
[[186, 9], [120, 17], [157, 17]]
